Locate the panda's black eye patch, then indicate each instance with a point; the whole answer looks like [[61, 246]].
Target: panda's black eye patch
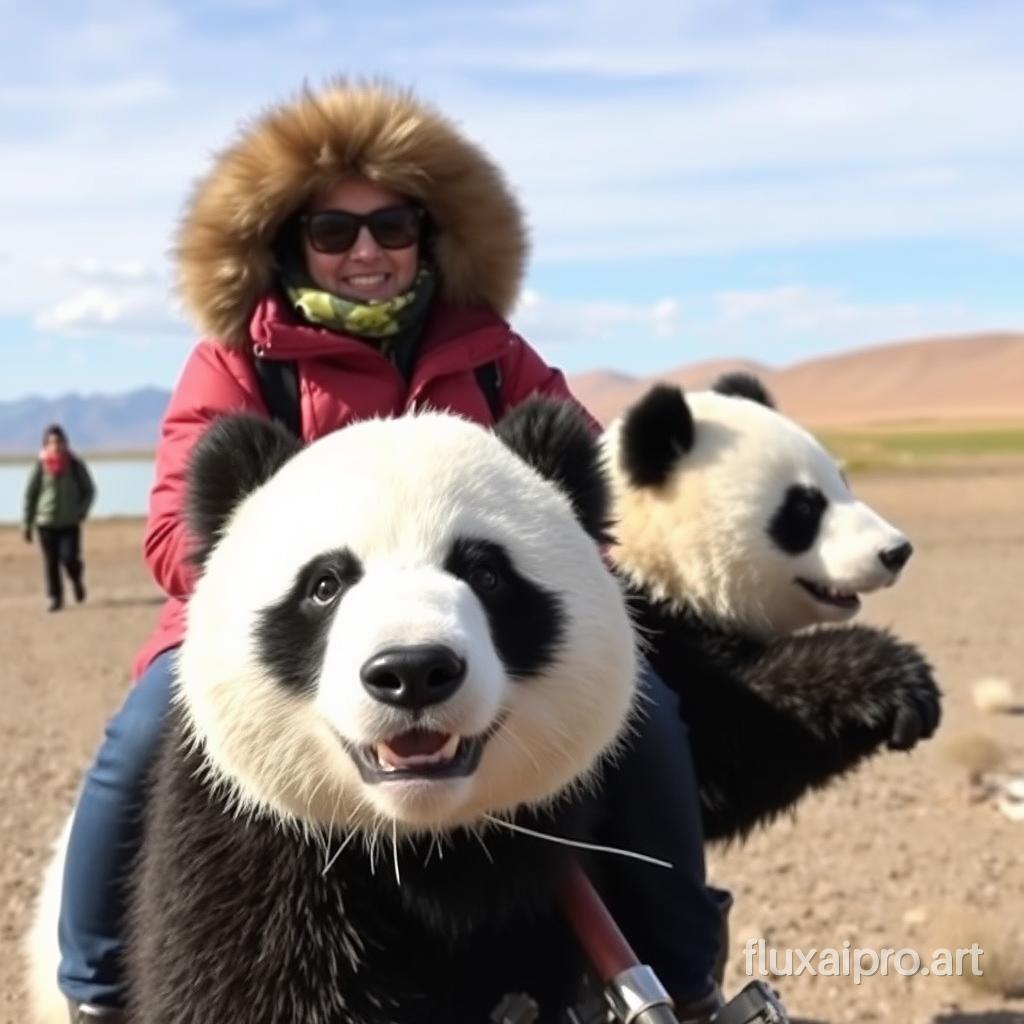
[[796, 522], [527, 621], [291, 634]]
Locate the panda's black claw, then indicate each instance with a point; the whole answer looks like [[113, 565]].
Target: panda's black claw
[[907, 728], [932, 713], [919, 708]]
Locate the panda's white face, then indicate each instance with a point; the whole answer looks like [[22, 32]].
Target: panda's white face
[[755, 526], [406, 627]]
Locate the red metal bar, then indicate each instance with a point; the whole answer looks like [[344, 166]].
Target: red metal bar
[[604, 944]]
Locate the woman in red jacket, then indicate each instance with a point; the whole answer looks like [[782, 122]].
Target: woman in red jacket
[[354, 244]]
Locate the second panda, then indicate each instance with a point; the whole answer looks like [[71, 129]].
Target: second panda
[[734, 531]]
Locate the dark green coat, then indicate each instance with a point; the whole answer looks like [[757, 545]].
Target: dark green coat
[[58, 501]]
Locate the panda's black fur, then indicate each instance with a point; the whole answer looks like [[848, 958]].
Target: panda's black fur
[[657, 431], [769, 721], [769, 718], [554, 439], [744, 385], [235, 920], [235, 456]]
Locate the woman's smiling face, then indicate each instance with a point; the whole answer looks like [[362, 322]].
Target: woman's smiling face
[[367, 271]]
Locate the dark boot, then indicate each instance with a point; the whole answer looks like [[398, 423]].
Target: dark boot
[[699, 1011], [724, 900]]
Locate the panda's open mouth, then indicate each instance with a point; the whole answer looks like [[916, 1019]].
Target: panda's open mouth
[[419, 754], [848, 600]]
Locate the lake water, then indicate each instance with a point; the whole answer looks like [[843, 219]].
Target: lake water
[[122, 487]]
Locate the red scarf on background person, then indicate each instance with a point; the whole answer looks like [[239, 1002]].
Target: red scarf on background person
[[55, 463]]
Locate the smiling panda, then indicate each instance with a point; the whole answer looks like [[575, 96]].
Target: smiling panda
[[401, 637], [734, 530]]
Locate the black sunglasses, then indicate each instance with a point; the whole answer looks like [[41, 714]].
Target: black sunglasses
[[334, 231]]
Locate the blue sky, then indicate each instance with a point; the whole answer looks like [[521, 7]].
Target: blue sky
[[703, 178]]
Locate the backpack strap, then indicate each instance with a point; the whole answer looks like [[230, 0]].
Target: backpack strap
[[488, 378], [279, 385]]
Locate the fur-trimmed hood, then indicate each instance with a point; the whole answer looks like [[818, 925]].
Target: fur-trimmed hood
[[374, 131]]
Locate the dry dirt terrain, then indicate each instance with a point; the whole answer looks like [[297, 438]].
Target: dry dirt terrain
[[896, 856]]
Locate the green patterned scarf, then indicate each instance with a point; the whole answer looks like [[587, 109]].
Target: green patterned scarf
[[379, 319]]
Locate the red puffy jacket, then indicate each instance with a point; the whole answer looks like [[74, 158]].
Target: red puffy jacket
[[341, 380]]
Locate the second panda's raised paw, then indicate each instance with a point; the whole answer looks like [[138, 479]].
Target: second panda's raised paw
[[917, 708]]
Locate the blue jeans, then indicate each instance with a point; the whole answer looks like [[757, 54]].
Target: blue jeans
[[671, 917], [104, 838]]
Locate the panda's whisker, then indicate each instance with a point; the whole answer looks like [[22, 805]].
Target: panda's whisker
[[394, 851], [579, 844], [373, 840], [560, 732], [311, 832], [506, 730], [348, 839], [330, 836], [322, 778], [351, 833], [563, 731], [437, 840], [480, 839]]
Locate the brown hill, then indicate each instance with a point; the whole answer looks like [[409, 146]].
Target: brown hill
[[967, 378]]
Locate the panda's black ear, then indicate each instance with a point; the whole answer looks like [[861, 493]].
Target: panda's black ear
[[655, 432], [555, 439], [743, 385], [235, 455]]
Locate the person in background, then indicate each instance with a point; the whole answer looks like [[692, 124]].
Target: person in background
[[57, 500]]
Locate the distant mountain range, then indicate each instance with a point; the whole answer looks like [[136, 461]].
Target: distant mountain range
[[968, 378], [128, 422], [975, 378]]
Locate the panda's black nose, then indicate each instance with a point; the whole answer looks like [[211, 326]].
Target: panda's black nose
[[897, 556], [413, 677]]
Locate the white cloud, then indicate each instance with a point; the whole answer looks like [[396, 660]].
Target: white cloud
[[793, 307], [551, 323], [793, 321], [94, 307], [665, 317], [90, 269], [136, 310]]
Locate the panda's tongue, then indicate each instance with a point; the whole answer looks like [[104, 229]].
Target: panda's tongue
[[417, 746]]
